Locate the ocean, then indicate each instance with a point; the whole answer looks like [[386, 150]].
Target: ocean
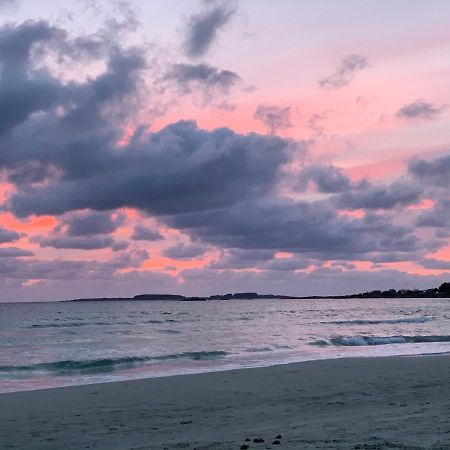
[[44, 345]]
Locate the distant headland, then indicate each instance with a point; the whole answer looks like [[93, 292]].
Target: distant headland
[[443, 291]]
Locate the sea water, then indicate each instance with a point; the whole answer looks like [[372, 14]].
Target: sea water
[[46, 345]]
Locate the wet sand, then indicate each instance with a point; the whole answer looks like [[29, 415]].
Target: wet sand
[[370, 403]]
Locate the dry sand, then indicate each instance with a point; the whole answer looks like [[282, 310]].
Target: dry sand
[[373, 403]]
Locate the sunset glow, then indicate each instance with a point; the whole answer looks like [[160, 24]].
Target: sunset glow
[[132, 154]]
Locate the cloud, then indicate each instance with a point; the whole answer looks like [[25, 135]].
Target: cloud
[[26, 88], [260, 259], [274, 117], [370, 196], [225, 191], [437, 217], [178, 169], [434, 173], [91, 222], [21, 96], [141, 233], [119, 245], [436, 264], [85, 230], [312, 228], [203, 28], [79, 243], [241, 259], [188, 74], [345, 72], [14, 252], [419, 109], [290, 264], [203, 78], [185, 251], [363, 194], [8, 235], [328, 179]]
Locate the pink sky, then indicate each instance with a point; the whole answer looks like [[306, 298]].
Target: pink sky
[[334, 162]]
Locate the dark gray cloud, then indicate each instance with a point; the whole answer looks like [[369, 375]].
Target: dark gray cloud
[[69, 270], [178, 169], [21, 96], [357, 195], [419, 109], [72, 143], [435, 172], [79, 243], [141, 233], [203, 28], [14, 252], [236, 258], [345, 72], [260, 259], [85, 230], [372, 196], [328, 179], [8, 235], [312, 228], [26, 89], [274, 117], [293, 263], [434, 264], [185, 251], [89, 223], [34, 269], [191, 77], [119, 245], [436, 217]]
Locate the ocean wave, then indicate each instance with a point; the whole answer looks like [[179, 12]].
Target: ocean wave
[[56, 325], [258, 349], [355, 341], [83, 324], [379, 321], [108, 364]]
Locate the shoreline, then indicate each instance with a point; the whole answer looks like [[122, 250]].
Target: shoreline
[[376, 402], [231, 366]]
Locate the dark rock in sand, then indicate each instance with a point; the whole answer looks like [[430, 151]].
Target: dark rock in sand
[[244, 447], [276, 443], [278, 437], [258, 440]]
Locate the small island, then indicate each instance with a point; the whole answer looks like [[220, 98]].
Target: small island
[[443, 291]]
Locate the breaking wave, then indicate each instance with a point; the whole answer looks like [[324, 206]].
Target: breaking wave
[[379, 321], [354, 341], [108, 364]]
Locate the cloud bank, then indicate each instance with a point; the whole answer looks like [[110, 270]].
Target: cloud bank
[[230, 208]]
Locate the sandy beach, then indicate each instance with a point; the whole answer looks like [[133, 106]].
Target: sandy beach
[[372, 403]]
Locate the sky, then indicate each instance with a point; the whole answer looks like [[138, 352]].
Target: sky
[[208, 146]]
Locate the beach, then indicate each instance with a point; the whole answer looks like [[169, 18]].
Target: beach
[[352, 403]]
